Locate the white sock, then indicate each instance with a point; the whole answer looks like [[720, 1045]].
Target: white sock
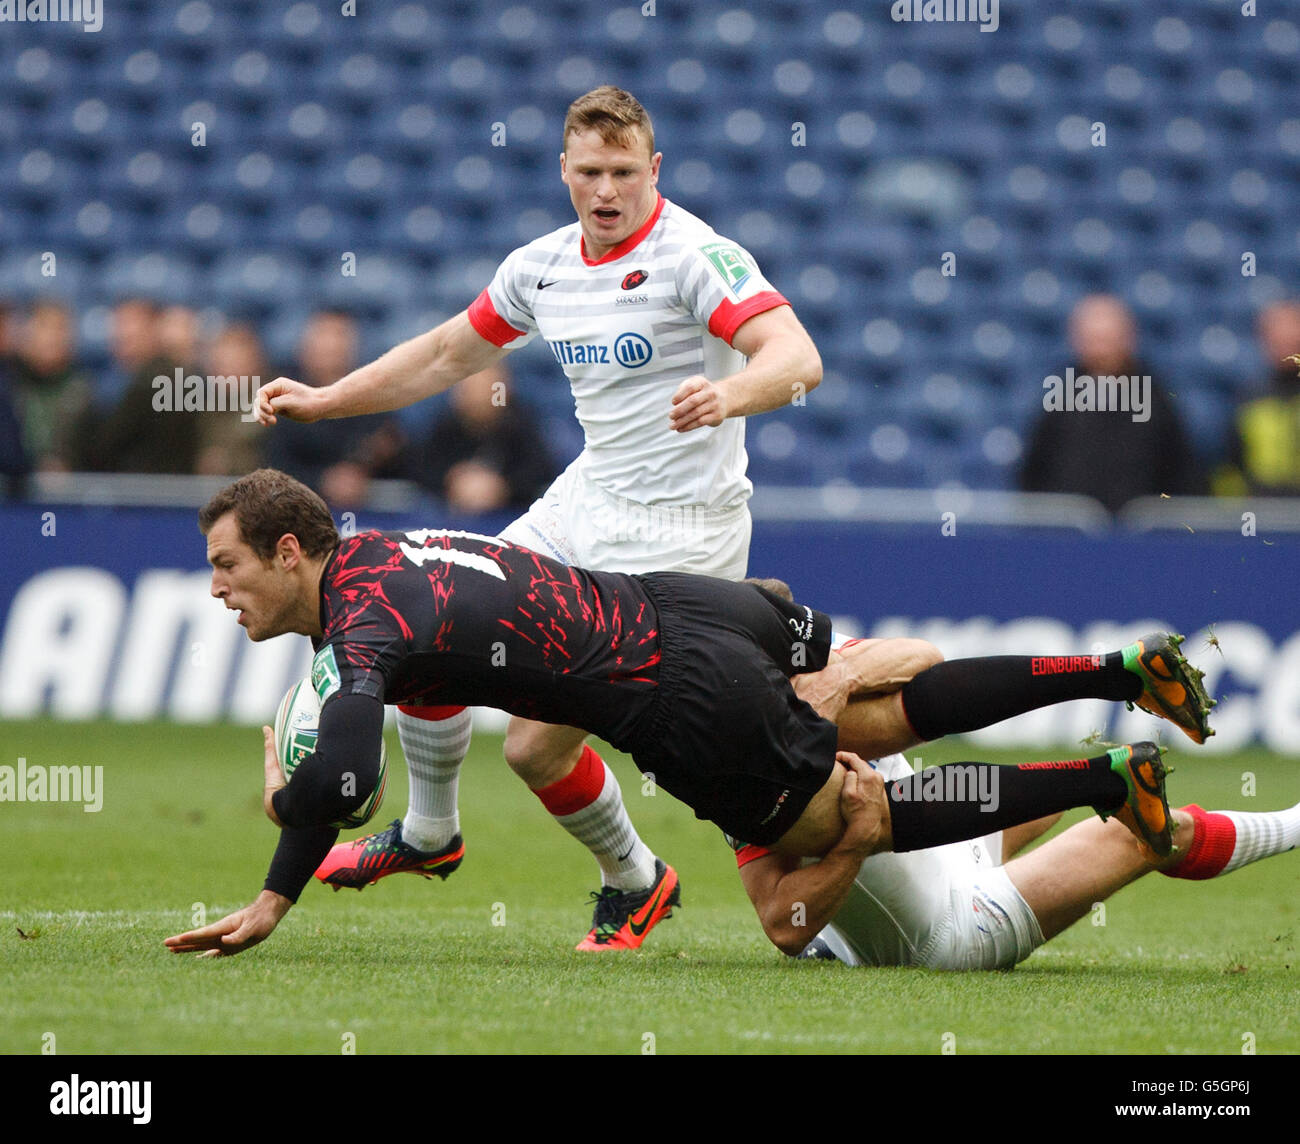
[[434, 750], [603, 825], [1261, 834]]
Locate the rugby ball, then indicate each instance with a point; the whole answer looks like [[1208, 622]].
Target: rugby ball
[[297, 724]]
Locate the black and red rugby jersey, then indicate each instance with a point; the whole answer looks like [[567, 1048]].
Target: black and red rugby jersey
[[436, 617]]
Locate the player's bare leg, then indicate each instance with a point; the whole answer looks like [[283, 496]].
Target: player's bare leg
[[1016, 838], [542, 754], [821, 825], [874, 726], [874, 722], [1062, 879], [958, 696], [966, 800], [574, 783]]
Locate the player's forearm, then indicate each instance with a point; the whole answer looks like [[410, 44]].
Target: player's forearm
[[882, 665], [872, 667], [300, 851], [781, 373], [407, 373], [273, 904], [806, 900]]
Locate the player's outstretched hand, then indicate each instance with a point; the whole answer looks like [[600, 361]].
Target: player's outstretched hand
[[862, 805], [285, 397], [697, 403], [236, 932]]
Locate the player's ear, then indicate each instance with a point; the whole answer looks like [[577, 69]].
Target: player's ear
[[288, 551], [564, 168]]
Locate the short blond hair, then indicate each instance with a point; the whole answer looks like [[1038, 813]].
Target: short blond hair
[[614, 114]]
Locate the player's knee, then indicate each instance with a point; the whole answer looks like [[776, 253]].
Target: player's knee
[[520, 747], [534, 755]]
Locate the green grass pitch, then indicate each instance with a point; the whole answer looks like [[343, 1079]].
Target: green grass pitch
[[484, 962]]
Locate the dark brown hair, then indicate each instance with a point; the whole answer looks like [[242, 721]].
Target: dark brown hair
[[613, 114], [778, 588], [267, 504]]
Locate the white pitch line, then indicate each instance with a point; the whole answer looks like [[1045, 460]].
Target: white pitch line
[[107, 915]]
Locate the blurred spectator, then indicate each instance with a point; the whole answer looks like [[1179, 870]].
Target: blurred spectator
[[486, 451], [135, 436], [133, 343], [53, 393], [14, 464], [178, 331], [1264, 456], [230, 445], [337, 457], [6, 332], [1108, 454]]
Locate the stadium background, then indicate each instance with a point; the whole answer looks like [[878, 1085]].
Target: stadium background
[[847, 151], [886, 499]]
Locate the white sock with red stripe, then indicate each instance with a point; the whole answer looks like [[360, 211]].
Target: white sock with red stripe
[[435, 741], [588, 803], [1262, 834], [1226, 840]]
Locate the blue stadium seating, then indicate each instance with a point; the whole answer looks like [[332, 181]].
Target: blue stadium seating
[[157, 274], [373, 133]]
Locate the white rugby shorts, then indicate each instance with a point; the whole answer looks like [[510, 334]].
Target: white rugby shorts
[[949, 907], [578, 523]]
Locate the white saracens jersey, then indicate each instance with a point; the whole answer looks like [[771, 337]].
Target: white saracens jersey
[[628, 329]]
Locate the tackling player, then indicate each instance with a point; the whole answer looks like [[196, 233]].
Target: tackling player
[[959, 907], [669, 336], [689, 674]]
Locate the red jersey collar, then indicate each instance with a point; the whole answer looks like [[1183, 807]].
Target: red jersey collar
[[628, 243]]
